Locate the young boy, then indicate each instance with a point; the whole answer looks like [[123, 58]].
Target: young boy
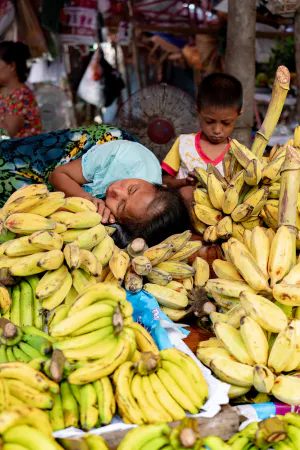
[[219, 104]]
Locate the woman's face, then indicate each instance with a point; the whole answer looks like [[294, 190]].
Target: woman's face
[[7, 71], [129, 199]]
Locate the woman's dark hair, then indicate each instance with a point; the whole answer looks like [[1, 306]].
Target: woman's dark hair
[[220, 90], [18, 53], [167, 215]]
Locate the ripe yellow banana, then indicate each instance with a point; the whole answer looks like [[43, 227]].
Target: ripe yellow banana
[[207, 215], [132, 281], [144, 340], [25, 198], [211, 169], [80, 281], [189, 249], [226, 270], [141, 265], [167, 297], [263, 378], [51, 282], [159, 253], [21, 247], [28, 223], [232, 372], [174, 314], [202, 271], [72, 256], [211, 234], [247, 239], [247, 266], [283, 349], [260, 249], [287, 294], [176, 286], [253, 172], [226, 165], [47, 206], [207, 354], [68, 236], [293, 277], [233, 342], [51, 260], [91, 237], [159, 276], [201, 197], [271, 173], [26, 374], [85, 219], [202, 176], [178, 241], [102, 367], [270, 215], [119, 263], [165, 399], [268, 315], [178, 270], [255, 340], [281, 253], [224, 228], [258, 200], [231, 288], [59, 295], [197, 225], [237, 391], [215, 191], [153, 399], [230, 199], [79, 204], [238, 231], [104, 250], [48, 240], [30, 395], [225, 251], [224, 301], [287, 389], [242, 212], [89, 263], [26, 265], [96, 293]]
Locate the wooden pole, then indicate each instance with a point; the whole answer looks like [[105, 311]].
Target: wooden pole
[[297, 57], [240, 59], [135, 52]]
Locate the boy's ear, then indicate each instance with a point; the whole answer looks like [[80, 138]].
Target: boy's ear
[[241, 112], [196, 106]]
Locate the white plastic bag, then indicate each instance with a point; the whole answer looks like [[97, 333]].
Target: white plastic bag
[[90, 89]]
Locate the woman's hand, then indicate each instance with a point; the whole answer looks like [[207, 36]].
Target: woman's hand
[[102, 209]]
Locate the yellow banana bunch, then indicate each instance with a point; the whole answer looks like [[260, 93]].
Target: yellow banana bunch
[[27, 223], [48, 205], [25, 198]]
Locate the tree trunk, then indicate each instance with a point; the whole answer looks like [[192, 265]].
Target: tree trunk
[[240, 59], [297, 57]]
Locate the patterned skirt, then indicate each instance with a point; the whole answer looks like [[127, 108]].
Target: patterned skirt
[[31, 160]]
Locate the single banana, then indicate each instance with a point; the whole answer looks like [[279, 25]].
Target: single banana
[[106, 400], [104, 250], [26, 223], [133, 281], [47, 240], [201, 197], [178, 270], [89, 263], [159, 276], [280, 255], [210, 234], [159, 253], [26, 266], [238, 231], [293, 277], [144, 340], [253, 172], [269, 316], [230, 199], [263, 378], [232, 372], [47, 206], [260, 249], [57, 298], [247, 266], [141, 265], [283, 349], [51, 282], [255, 340], [233, 342], [88, 407], [258, 200], [242, 212], [286, 389], [21, 247], [96, 293], [91, 237], [68, 236], [79, 204], [118, 264], [215, 191], [202, 271], [80, 281], [189, 249], [231, 288], [207, 215], [167, 297], [211, 169], [224, 228], [226, 270], [271, 173], [51, 260], [287, 294], [178, 241], [208, 354], [69, 406], [87, 219], [72, 256]]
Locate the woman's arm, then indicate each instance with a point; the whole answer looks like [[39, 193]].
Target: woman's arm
[[68, 178], [12, 125]]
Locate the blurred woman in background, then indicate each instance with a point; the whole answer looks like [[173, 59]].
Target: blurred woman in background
[[19, 113]]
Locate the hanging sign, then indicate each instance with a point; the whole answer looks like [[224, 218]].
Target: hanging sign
[[78, 22]]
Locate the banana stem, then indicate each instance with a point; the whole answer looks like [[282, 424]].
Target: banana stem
[[289, 188], [279, 92]]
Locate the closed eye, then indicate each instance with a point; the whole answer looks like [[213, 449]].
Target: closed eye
[[121, 206]]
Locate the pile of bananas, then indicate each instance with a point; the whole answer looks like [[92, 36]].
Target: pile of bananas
[[59, 248], [247, 196], [258, 335], [23, 344]]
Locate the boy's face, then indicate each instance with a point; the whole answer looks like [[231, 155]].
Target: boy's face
[[217, 123]]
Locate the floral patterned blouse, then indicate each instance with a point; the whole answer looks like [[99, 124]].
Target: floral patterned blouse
[[21, 102]]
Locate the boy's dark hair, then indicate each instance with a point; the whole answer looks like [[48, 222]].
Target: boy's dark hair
[[18, 53], [167, 215], [220, 90]]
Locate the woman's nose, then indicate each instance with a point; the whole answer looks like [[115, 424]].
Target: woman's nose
[[117, 192]]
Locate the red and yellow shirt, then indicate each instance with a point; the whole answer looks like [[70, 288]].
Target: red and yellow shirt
[[186, 154], [21, 102]]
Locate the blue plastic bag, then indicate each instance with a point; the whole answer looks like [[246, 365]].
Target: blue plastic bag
[[147, 312]]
